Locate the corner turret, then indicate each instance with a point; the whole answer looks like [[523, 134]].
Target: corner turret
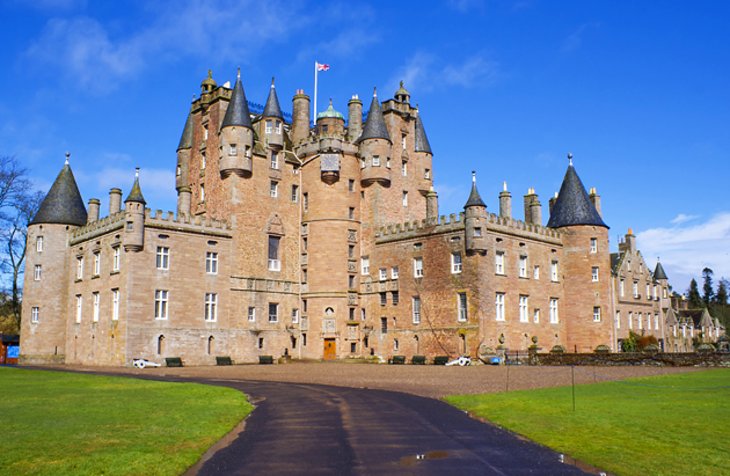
[[375, 146], [184, 151], [573, 206], [236, 135], [423, 154], [134, 205], [63, 203], [475, 220], [273, 120], [354, 120]]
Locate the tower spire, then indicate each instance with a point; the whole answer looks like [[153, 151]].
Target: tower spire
[[475, 200], [237, 113], [375, 127], [272, 108]]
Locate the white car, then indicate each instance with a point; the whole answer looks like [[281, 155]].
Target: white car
[[142, 363], [462, 361]]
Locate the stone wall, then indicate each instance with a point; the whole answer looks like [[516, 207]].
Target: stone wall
[[685, 359]]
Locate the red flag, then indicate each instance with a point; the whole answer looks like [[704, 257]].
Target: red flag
[[323, 67]]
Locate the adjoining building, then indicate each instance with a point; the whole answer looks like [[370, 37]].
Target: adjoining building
[[320, 241]]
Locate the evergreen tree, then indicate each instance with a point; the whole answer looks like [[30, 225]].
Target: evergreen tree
[[693, 295], [721, 294], [708, 292]]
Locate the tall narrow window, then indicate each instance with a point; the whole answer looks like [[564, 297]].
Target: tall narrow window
[[294, 193], [351, 213], [161, 298], [536, 316], [524, 317], [79, 307], [536, 272], [523, 266], [97, 263], [115, 304], [405, 168], [499, 307], [554, 317], [384, 325], [95, 301], [35, 315], [417, 267], [394, 272], [163, 257], [232, 150], [594, 274], [461, 306], [116, 258], [273, 312], [405, 198], [396, 297], [39, 244], [274, 189], [596, 314], [618, 319], [251, 314], [269, 127], [274, 160], [631, 320], [455, 263], [621, 288], [594, 245], [305, 201], [376, 161], [274, 261], [202, 192], [80, 267], [295, 315], [499, 262], [211, 262], [211, 307], [427, 174], [351, 185], [383, 274], [636, 290], [37, 273], [364, 266], [554, 271], [383, 298], [278, 127]]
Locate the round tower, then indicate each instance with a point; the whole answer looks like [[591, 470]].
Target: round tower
[[236, 135], [273, 120], [374, 147], [134, 204], [422, 154], [184, 150], [475, 220], [354, 118], [505, 202], [300, 117]]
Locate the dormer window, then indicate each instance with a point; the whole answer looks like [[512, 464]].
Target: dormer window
[[232, 150], [278, 127], [269, 125]]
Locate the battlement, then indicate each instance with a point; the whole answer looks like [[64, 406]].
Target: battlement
[[194, 224], [97, 228]]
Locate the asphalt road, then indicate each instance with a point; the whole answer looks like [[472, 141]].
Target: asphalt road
[[321, 430]]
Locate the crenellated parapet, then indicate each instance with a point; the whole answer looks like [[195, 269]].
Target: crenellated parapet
[[97, 228]]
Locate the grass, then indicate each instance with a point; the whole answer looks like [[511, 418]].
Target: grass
[[666, 425], [59, 423]]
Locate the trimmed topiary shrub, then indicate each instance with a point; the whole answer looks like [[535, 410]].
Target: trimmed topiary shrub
[[650, 348], [557, 349], [705, 347], [602, 349]]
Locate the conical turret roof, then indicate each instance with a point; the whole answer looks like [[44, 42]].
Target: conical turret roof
[[63, 203], [186, 140], [375, 124], [659, 272], [272, 108], [135, 194], [421, 142], [475, 200], [573, 206], [237, 113]]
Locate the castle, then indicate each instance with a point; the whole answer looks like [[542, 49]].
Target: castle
[[324, 241]]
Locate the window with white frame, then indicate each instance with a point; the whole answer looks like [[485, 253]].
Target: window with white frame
[[394, 272], [39, 244], [251, 314], [523, 266], [621, 288], [274, 189], [376, 161], [499, 306], [35, 314], [655, 292], [416, 304], [554, 317], [278, 127], [636, 289], [163, 258], [427, 174], [594, 245], [656, 321], [536, 316], [80, 267], [274, 261], [364, 266], [79, 307], [594, 274], [536, 272], [37, 272], [211, 307], [274, 160], [499, 262], [211, 262], [648, 291], [417, 267], [116, 258], [273, 312], [631, 320], [640, 320], [554, 271], [295, 316], [524, 317], [596, 314], [115, 304], [202, 192], [618, 319], [295, 193], [97, 263], [269, 127], [161, 301], [462, 309], [455, 263], [405, 198], [232, 150], [405, 169], [95, 301], [383, 274]]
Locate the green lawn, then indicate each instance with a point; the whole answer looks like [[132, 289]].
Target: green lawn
[[64, 423], [668, 425]]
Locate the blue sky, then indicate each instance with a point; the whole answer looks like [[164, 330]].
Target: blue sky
[[637, 91]]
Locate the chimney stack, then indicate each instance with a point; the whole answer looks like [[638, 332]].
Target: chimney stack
[[115, 201], [93, 210], [300, 117], [505, 202]]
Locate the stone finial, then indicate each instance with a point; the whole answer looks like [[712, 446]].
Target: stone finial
[[570, 159], [504, 186], [68, 156], [473, 176], [272, 83], [375, 92]]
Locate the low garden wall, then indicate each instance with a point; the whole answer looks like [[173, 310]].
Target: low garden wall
[[688, 359]]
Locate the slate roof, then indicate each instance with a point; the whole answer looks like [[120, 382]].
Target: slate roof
[[272, 108], [63, 203], [186, 140], [700, 317], [659, 271], [573, 206], [375, 124], [422, 144], [475, 200], [237, 113], [135, 194]]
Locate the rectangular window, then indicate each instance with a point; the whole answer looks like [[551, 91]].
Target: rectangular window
[[596, 314], [34, 315], [273, 312], [295, 316], [631, 320], [499, 262], [274, 160], [211, 262], [594, 245], [202, 161], [211, 307], [618, 319], [351, 281], [37, 272], [403, 141], [536, 316], [536, 272], [351, 185], [461, 307], [202, 192], [79, 307], [396, 297], [554, 317], [95, 300], [269, 127], [351, 213], [523, 309], [655, 293], [251, 314], [455, 263], [350, 251], [384, 325], [161, 300], [278, 127], [405, 198], [364, 266], [274, 261], [636, 290], [116, 258], [523, 266], [417, 267], [427, 174], [621, 288], [232, 149], [394, 272], [640, 320], [594, 274], [376, 161], [163, 257], [97, 263], [39, 244], [305, 201], [295, 193], [499, 306], [304, 275], [383, 274], [274, 189], [405, 168], [383, 298], [80, 267], [648, 291], [554, 271], [115, 304], [477, 231], [664, 293]]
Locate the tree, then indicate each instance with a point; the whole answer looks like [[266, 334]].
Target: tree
[[693, 295], [721, 294], [708, 292]]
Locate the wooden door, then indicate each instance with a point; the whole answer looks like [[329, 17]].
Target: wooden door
[[330, 349]]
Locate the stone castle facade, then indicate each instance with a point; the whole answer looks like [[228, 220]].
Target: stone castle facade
[[321, 241]]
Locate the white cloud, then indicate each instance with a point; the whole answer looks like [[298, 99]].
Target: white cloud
[[682, 218], [575, 40], [426, 72], [685, 249]]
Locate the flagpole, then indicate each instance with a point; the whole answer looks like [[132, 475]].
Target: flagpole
[[315, 92]]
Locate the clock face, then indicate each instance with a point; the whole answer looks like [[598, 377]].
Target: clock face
[[329, 311]]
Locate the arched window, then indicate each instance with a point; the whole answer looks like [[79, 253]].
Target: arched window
[[211, 344], [160, 345]]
